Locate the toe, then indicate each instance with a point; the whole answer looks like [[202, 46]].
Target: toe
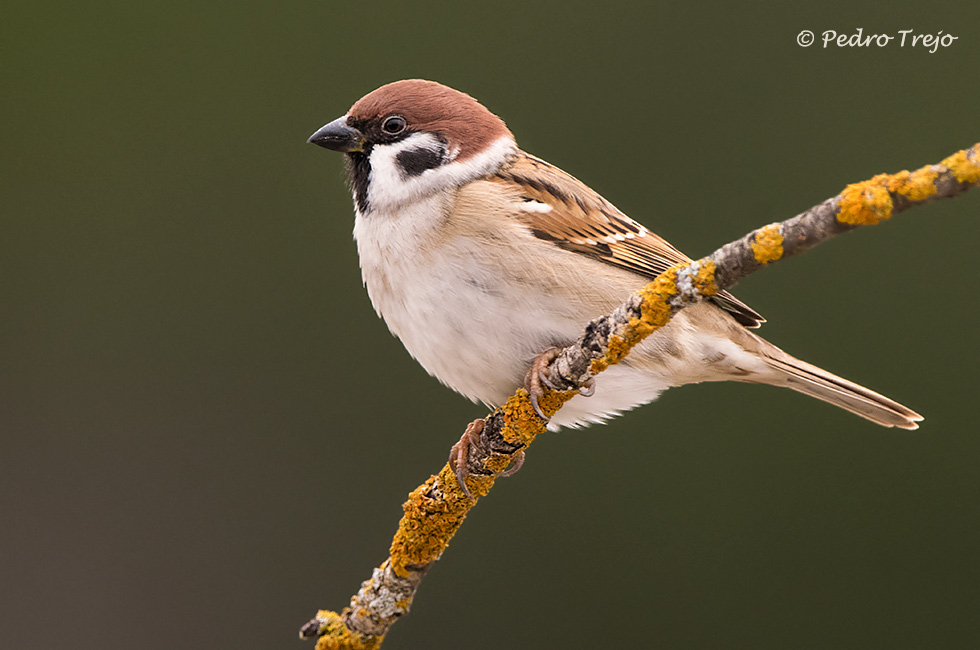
[[459, 454]]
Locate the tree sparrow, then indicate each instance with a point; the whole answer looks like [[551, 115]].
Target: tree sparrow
[[480, 257]]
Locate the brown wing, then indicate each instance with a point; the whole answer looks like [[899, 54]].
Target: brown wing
[[565, 211]]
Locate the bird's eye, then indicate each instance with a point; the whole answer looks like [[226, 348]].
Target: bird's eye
[[393, 124]]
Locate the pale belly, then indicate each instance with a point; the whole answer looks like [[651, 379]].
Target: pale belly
[[477, 325], [469, 330]]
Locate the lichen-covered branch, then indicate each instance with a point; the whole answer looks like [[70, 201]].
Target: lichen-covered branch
[[436, 509]]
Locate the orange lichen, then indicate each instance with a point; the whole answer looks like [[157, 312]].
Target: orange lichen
[[435, 510], [497, 463], [704, 280], [521, 423], [337, 636], [767, 245], [598, 365], [432, 517], [866, 203], [917, 185], [655, 310], [963, 168], [617, 349], [869, 202]]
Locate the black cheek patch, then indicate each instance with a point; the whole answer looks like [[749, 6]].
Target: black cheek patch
[[415, 161]]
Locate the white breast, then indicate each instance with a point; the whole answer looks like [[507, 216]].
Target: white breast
[[444, 300], [474, 298]]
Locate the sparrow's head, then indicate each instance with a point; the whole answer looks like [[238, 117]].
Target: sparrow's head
[[410, 139]]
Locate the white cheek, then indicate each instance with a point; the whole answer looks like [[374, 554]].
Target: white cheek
[[390, 187]]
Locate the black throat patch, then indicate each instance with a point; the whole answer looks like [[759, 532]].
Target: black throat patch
[[358, 172]]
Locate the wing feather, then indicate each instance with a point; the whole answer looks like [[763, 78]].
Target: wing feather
[[563, 210]]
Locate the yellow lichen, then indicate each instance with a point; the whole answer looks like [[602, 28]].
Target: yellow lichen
[[917, 185], [866, 203], [655, 311], [431, 521], [598, 365], [337, 636], [963, 168], [704, 280], [436, 509], [636, 329], [869, 202], [767, 245], [497, 463], [617, 349], [521, 423]]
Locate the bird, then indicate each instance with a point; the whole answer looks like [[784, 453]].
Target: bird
[[483, 259]]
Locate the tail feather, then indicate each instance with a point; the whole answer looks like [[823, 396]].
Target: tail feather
[[816, 382]]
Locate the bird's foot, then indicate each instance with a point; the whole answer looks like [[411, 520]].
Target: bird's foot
[[460, 452], [536, 380]]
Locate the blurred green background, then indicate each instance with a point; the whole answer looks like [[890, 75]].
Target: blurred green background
[[206, 434]]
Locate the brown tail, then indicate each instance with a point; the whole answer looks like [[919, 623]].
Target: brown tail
[[816, 382]]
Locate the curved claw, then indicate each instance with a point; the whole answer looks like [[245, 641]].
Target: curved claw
[[537, 408], [543, 376], [536, 377], [587, 389], [515, 464], [461, 451]]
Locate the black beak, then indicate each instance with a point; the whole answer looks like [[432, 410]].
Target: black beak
[[339, 137]]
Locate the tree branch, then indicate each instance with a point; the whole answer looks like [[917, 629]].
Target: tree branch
[[436, 509]]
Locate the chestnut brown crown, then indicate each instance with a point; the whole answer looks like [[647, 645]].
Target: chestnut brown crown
[[429, 107]]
